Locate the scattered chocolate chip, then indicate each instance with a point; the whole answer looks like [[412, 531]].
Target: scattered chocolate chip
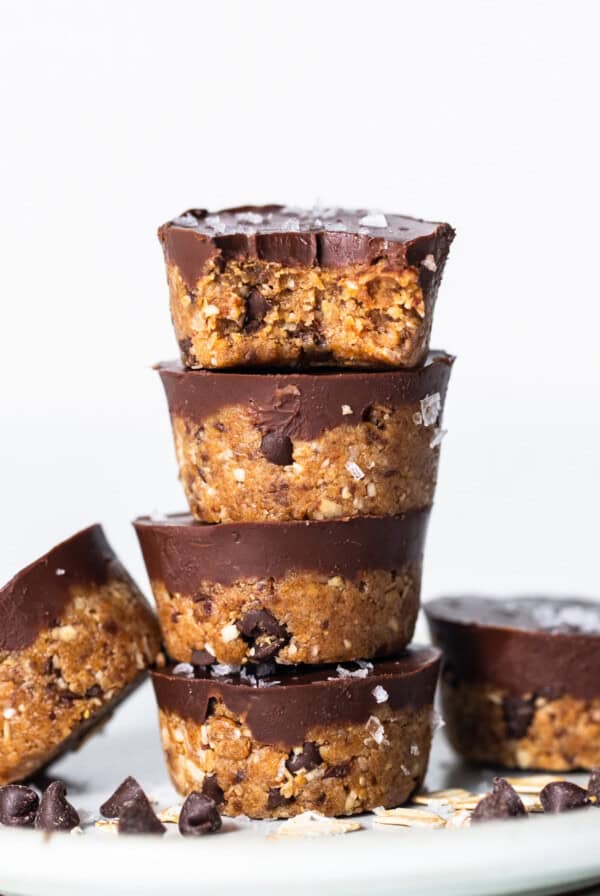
[[202, 658], [276, 799], [136, 816], [256, 309], [518, 713], [18, 806], [309, 758], [55, 812], [561, 796], [277, 448], [211, 789], [125, 792], [502, 802], [338, 771], [199, 815], [264, 632], [594, 787]]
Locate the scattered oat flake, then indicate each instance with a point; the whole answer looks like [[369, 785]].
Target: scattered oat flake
[[170, 815], [107, 824], [408, 817], [449, 796], [460, 819], [380, 694], [346, 410], [533, 783], [354, 470], [313, 824], [373, 219], [429, 263], [431, 406]]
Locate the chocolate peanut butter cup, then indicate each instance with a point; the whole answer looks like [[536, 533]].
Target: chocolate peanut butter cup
[[295, 592], [521, 679], [337, 739], [273, 285], [319, 445], [76, 635]]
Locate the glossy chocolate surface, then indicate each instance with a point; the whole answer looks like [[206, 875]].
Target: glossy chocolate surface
[[301, 405], [182, 552], [546, 646], [283, 708], [35, 598], [328, 238]]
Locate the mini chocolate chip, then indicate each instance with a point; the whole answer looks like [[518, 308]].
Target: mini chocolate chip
[[110, 627], [276, 799], [94, 691], [594, 787], [125, 792], [18, 806], [256, 309], [137, 817], [55, 812], [202, 658], [199, 815], [338, 771], [309, 758], [277, 448], [266, 634], [561, 796], [518, 713], [502, 802], [211, 789]]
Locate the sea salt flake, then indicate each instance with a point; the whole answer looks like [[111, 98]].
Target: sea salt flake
[[349, 673], [249, 218], [364, 664], [429, 263], [437, 721], [346, 410], [375, 729], [438, 437], [354, 470], [218, 670], [431, 406], [374, 219], [60, 572], [267, 684], [380, 694], [414, 750], [184, 669]]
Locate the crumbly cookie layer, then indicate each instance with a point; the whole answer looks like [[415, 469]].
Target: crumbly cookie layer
[[490, 725], [52, 691], [302, 617], [384, 465], [339, 770], [250, 312]]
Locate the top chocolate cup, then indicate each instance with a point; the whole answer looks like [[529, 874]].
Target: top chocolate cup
[[278, 286]]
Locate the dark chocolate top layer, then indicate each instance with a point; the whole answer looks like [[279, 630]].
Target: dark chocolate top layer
[[183, 552], [547, 646], [285, 707], [301, 405], [329, 238], [35, 598]]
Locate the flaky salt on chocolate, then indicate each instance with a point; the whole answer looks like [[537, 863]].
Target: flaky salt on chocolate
[[279, 286], [76, 636], [314, 740], [521, 679]]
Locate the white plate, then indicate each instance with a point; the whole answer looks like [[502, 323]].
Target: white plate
[[542, 854]]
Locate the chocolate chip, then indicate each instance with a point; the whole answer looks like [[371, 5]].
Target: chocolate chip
[[18, 806], [561, 796], [264, 632], [338, 771], [110, 627], [202, 658], [518, 713], [211, 789], [276, 799], [277, 448], [94, 691], [502, 802], [137, 817], [187, 355], [594, 787], [199, 815], [310, 757], [125, 792], [256, 309], [55, 812]]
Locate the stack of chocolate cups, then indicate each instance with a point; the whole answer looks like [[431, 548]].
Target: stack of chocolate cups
[[306, 415]]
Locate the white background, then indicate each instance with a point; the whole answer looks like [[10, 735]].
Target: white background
[[118, 115]]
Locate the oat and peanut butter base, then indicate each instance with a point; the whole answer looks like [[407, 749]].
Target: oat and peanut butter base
[[290, 592], [78, 637], [339, 744], [276, 286], [307, 446], [521, 679]]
